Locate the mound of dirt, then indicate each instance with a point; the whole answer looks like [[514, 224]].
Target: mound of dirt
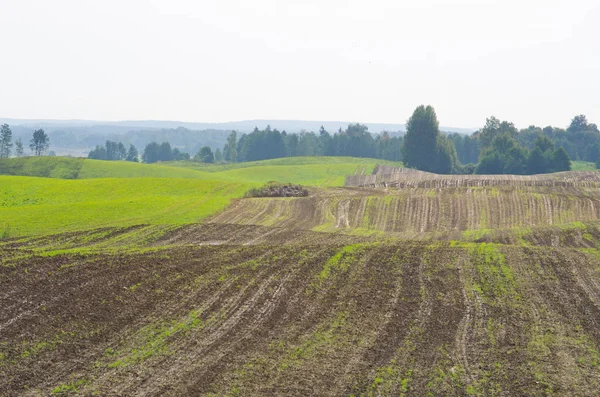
[[275, 189]]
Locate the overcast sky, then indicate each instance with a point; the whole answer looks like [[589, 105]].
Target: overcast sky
[[527, 61]]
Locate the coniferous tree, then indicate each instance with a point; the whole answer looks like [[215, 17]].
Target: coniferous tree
[[536, 163], [561, 160], [421, 140]]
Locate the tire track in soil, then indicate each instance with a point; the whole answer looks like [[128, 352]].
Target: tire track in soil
[[461, 343], [584, 278], [400, 310]]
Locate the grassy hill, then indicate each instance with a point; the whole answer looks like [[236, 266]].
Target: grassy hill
[[313, 171], [47, 167], [35, 206]]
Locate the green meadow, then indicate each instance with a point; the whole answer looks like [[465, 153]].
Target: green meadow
[[583, 166], [35, 206]]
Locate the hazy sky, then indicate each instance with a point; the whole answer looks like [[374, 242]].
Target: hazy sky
[[531, 62]]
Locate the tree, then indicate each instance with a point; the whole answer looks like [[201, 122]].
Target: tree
[[537, 162], [205, 155], [503, 156], [19, 148], [112, 150], [132, 154], [325, 143], [218, 156], [5, 141], [230, 152], [561, 160], [179, 156], [261, 145], [544, 143], [579, 123], [446, 158], [491, 163], [165, 153], [40, 142], [493, 128], [292, 144], [151, 153], [121, 151], [98, 153], [420, 142]]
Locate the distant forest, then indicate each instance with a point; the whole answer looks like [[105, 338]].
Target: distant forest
[[496, 148]]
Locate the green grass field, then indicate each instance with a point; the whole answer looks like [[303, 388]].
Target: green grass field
[[36, 206], [583, 166], [38, 199]]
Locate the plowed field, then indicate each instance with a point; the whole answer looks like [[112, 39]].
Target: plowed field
[[488, 290]]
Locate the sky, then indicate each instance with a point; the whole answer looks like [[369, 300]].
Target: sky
[[527, 61]]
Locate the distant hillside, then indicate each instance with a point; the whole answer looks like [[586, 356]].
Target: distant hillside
[[78, 137]]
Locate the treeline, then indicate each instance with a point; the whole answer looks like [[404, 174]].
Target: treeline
[[39, 143], [581, 140], [494, 149], [153, 152], [505, 155], [114, 151], [355, 141]]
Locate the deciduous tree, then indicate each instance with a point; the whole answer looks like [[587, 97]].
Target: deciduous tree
[[40, 142], [5, 141]]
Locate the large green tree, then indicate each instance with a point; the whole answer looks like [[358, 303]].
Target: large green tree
[[205, 155], [493, 128], [420, 147], [132, 154]]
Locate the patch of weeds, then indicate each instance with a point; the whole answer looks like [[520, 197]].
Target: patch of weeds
[[71, 387], [47, 345], [340, 262], [496, 281], [153, 339], [133, 287]]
